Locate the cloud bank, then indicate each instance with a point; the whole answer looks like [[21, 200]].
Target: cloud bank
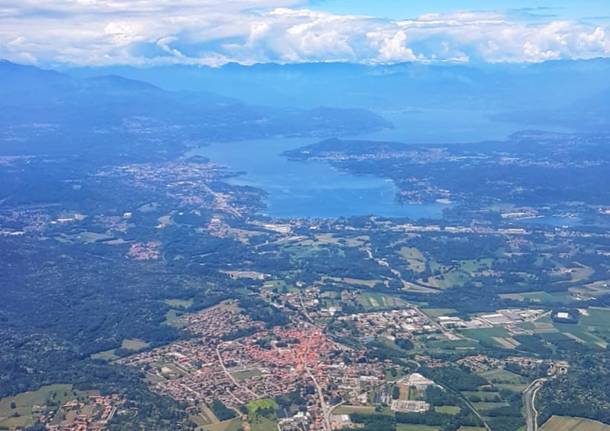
[[216, 32]]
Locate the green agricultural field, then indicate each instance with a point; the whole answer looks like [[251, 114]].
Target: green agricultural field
[[132, 344], [487, 335], [206, 416], [472, 266], [436, 312], [502, 376], [582, 334], [593, 328], [599, 317], [416, 261], [415, 427], [356, 281], [482, 407], [348, 410], [106, 355], [539, 297], [179, 303], [446, 280], [371, 301], [263, 424], [506, 342], [517, 388], [447, 410], [542, 326], [562, 423], [172, 318], [581, 273], [438, 345], [456, 275], [90, 237], [591, 290], [230, 425], [201, 421], [279, 285]]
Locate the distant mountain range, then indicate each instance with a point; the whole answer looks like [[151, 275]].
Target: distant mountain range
[[166, 107], [39, 106], [494, 87]]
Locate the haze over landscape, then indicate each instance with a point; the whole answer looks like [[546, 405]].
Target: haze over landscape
[[304, 215]]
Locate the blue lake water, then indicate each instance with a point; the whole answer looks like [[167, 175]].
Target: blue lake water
[[316, 189], [440, 126], [309, 189]]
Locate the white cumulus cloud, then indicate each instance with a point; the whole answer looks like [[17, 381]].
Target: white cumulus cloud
[[214, 32]]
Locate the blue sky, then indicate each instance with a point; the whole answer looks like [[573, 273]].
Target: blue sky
[[216, 32], [406, 9]]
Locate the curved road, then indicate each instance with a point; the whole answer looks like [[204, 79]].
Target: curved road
[[529, 399]]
